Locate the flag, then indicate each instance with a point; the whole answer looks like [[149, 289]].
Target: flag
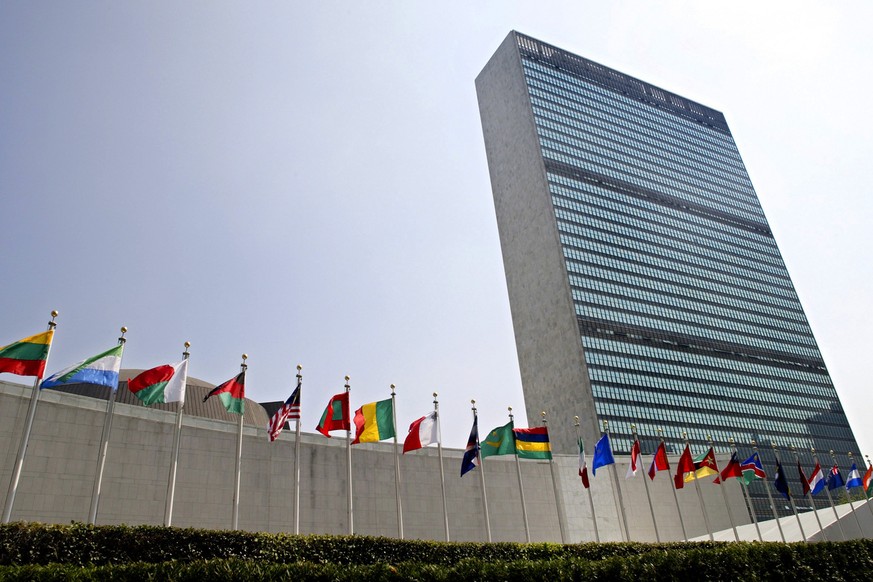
[[854, 479], [374, 422], [583, 466], [500, 441], [780, 482], [161, 385], [634, 464], [232, 394], [27, 357], [422, 432], [752, 469], [868, 479], [532, 443], [731, 471], [471, 453], [804, 482], [659, 461], [101, 370], [817, 480], [686, 465], [704, 466], [835, 480], [602, 454], [336, 415], [288, 411]]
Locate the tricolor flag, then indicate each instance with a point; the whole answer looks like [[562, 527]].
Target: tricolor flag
[[533, 443], [290, 410], [101, 370], [232, 394], [868, 479], [422, 432], [685, 465], [602, 454], [659, 461], [731, 471], [817, 480], [161, 385], [854, 479], [780, 482], [583, 467], [27, 357], [752, 468], [634, 464], [704, 466], [374, 422], [471, 453], [336, 415], [500, 441], [835, 480]]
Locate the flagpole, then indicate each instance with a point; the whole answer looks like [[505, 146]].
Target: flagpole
[[770, 497], [590, 497], [746, 496], [809, 496], [520, 484], [396, 466], [615, 480], [104, 445], [174, 464], [25, 438], [673, 488], [482, 475], [831, 499], [724, 493], [297, 458], [849, 497], [700, 497], [351, 507], [790, 498], [239, 442], [646, 484], [436, 409], [559, 500]]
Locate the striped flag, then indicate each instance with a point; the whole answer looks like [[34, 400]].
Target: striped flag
[[533, 443], [101, 370], [27, 357], [288, 411], [634, 464]]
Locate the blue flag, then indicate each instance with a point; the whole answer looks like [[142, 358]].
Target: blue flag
[[602, 454], [471, 453], [854, 478], [835, 480], [780, 482]]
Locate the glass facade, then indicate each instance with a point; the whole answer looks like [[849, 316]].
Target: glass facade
[[687, 315]]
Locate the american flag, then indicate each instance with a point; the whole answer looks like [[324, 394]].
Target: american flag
[[289, 411]]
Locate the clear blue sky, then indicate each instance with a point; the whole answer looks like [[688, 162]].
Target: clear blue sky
[[306, 182]]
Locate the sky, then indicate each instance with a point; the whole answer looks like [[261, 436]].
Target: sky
[[307, 182]]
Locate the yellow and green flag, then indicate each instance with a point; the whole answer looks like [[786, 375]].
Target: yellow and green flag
[[499, 441], [27, 357], [533, 443], [374, 422]]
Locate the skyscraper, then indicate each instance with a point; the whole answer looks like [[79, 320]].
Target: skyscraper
[[644, 281]]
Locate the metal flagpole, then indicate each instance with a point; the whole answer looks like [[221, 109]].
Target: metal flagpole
[[482, 476], [297, 457], [849, 497], [646, 484], [615, 480], [721, 486], [746, 496], [790, 498], [590, 497], [559, 500], [520, 484], [770, 497], [831, 499], [396, 466], [239, 441], [174, 464], [700, 496], [436, 409], [25, 438], [349, 465], [675, 497], [809, 496], [104, 445]]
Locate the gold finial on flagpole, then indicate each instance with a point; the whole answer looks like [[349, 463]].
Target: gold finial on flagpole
[[244, 366], [52, 323], [186, 353], [122, 339], [576, 421], [299, 367], [392, 389]]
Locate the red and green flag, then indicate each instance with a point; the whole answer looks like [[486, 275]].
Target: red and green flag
[[532, 443], [161, 385], [336, 415], [704, 466], [232, 394], [374, 422], [27, 357]]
